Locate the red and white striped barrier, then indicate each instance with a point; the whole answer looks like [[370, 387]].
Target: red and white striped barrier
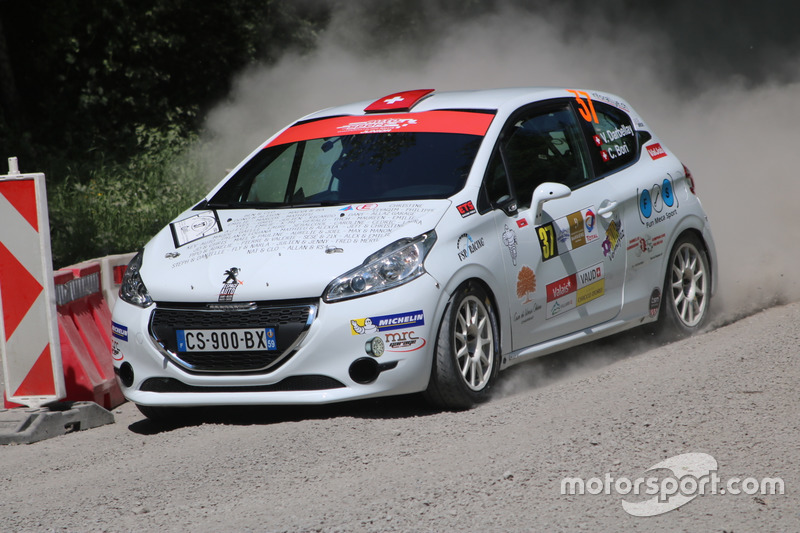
[[29, 343], [55, 328]]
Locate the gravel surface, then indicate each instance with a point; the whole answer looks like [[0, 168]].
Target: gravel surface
[[617, 407]]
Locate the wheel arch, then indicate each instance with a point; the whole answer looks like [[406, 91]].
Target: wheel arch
[[498, 303], [687, 228]]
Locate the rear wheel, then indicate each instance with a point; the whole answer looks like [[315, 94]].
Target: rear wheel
[[466, 358], [687, 288]]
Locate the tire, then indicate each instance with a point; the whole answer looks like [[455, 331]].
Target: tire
[[686, 296], [467, 352]]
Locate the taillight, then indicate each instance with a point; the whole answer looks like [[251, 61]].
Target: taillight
[[689, 178]]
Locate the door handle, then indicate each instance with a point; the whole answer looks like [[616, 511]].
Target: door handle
[[607, 210]]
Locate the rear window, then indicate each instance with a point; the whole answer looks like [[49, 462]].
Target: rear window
[[613, 139]]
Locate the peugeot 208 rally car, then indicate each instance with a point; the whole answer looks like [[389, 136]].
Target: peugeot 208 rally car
[[418, 243]]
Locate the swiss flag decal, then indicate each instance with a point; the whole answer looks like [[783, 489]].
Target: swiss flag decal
[[402, 101]]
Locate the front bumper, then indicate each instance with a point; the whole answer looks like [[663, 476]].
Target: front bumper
[[335, 360]]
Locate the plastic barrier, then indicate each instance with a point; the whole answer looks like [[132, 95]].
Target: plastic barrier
[[81, 300], [112, 268], [84, 326]]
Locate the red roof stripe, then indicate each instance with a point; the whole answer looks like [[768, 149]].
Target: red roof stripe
[[428, 121]]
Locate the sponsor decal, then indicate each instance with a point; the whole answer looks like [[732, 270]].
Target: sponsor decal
[[526, 284], [378, 125], [527, 313], [653, 200], [589, 221], [375, 347], [467, 246], [510, 240], [656, 151], [655, 302], [575, 290], [521, 223], [347, 208], [230, 284], [171, 255], [119, 331], [195, 227], [366, 207], [567, 233], [116, 352], [403, 341], [374, 324], [466, 209], [646, 244], [615, 236]]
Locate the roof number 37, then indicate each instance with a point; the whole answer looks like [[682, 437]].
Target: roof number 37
[[586, 105]]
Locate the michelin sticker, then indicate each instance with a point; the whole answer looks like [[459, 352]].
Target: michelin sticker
[[119, 331], [374, 324]]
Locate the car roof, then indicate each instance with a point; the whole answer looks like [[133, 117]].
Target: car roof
[[486, 99]]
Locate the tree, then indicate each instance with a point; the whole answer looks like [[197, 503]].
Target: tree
[[526, 283]]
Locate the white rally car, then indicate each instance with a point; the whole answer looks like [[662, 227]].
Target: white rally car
[[419, 243]]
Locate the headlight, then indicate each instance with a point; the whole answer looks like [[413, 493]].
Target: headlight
[[398, 263], [132, 289]]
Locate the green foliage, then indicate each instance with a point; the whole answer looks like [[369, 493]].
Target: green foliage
[[106, 96], [117, 208]]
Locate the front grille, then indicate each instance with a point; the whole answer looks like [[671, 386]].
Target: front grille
[[290, 321], [294, 383]]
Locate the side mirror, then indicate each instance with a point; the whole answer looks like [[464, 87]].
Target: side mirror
[[544, 193]]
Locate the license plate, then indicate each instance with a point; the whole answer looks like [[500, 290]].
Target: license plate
[[226, 340]]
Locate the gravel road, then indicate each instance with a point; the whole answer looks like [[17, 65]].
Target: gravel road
[[614, 408]]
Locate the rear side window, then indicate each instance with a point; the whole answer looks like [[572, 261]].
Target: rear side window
[[612, 139]]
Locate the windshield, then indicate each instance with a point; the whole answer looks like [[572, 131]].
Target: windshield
[[346, 169]]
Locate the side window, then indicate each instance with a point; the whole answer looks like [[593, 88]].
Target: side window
[[269, 185], [496, 181], [544, 146], [613, 139]]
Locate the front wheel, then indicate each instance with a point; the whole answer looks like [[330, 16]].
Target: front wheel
[[687, 288], [467, 352]]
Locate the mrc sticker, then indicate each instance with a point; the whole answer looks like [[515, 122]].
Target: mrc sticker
[[575, 290], [374, 324]]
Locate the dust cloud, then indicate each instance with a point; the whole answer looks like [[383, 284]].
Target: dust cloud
[[738, 135]]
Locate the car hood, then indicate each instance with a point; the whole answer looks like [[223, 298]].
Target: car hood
[[272, 254]]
